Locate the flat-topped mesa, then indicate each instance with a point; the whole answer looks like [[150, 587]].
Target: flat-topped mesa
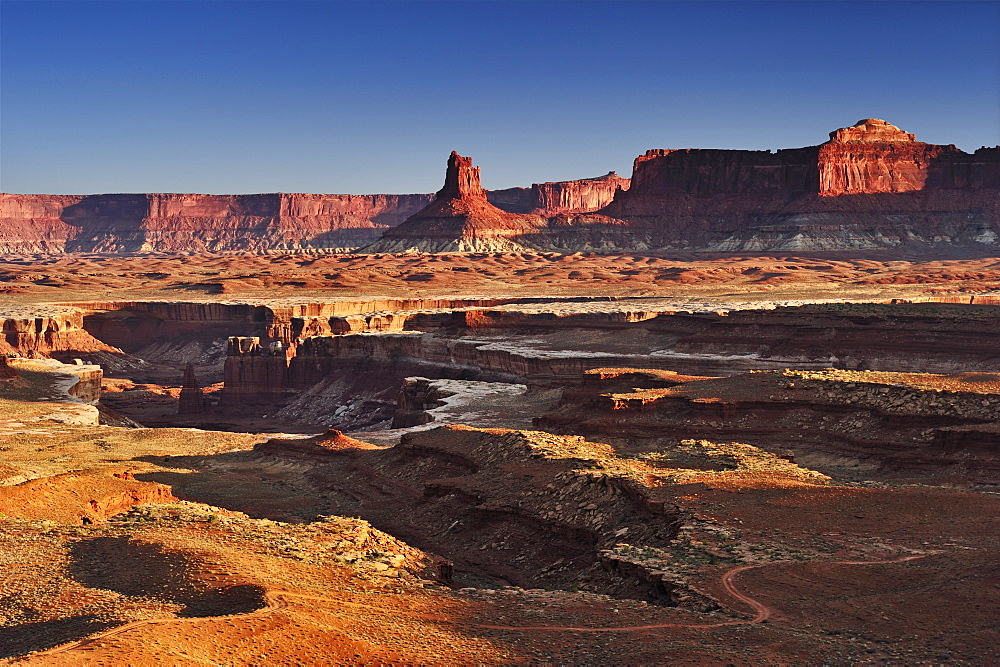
[[870, 131], [580, 196], [870, 186], [461, 180]]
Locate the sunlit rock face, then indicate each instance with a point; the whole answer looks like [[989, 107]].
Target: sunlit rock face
[[871, 131], [871, 186], [582, 196], [157, 222], [874, 156], [460, 219]]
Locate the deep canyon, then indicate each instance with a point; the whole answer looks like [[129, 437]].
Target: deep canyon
[[743, 407]]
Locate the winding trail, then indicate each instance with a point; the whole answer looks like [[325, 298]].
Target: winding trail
[[763, 612], [275, 602]]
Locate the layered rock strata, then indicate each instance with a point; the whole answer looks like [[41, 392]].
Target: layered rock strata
[[135, 326], [460, 219], [937, 425], [194, 222], [543, 348], [871, 186], [254, 373], [49, 332], [583, 196], [552, 198]]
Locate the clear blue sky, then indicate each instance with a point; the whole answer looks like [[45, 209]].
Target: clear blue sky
[[366, 97]]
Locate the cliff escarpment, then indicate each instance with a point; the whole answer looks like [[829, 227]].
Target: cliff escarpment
[[56, 332], [553, 198], [871, 186], [195, 222], [168, 222]]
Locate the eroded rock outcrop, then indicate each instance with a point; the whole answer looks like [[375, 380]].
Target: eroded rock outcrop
[[191, 399], [254, 373], [49, 332], [905, 424], [77, 382], [460, 219], [416, 397]]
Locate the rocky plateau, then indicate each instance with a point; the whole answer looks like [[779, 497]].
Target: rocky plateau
[[565, 424]]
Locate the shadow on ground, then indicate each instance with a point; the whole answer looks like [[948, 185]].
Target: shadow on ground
[[137, 569], [28, 637]]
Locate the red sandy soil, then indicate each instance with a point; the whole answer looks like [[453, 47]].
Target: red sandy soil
[[836, 575], [94, 277], [830, 597]]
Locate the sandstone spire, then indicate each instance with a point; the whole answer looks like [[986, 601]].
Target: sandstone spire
[[191, 399], [461, 179], [460, 219]]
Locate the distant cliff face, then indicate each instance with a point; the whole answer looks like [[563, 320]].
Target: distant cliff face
[[874, 157], [198, 222], [870, 157], [193, 222], [661, 172], [585, 195], [871, 186]]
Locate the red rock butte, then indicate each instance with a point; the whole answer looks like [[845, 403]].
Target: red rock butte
[[460, 218]]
